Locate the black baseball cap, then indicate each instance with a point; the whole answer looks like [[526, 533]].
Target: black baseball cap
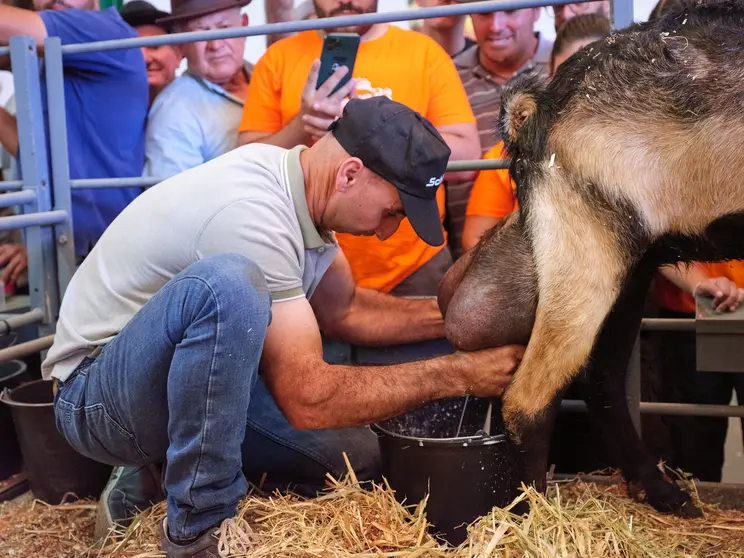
[[139, 12], [402, 147]]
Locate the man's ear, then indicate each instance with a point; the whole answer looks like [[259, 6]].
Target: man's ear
[[244, 20], [348, 173], [519, 103], [179, 52]]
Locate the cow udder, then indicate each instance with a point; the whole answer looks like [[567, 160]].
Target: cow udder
[[488, 298]]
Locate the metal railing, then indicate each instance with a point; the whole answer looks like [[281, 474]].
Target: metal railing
[[463, 8], [43, 195]]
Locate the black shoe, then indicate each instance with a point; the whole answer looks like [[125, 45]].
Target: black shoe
[[205, 546]]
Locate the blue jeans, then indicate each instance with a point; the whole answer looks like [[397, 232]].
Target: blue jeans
[[180, 383]]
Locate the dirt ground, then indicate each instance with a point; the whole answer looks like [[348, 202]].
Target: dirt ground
[[30, 528]]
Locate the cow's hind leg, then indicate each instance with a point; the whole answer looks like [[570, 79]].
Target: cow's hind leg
[[608, 405], [530, 457], [581, 264]]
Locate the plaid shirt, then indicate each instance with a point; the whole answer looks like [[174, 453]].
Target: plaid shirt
[[484, 89], [484, 93]]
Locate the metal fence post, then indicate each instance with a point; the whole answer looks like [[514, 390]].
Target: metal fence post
[[633, 385], [621, 13], [34, 161], [64, 237]]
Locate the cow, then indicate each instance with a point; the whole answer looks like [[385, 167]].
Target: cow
[[629, 159]]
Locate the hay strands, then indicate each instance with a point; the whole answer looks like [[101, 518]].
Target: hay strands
[[354, 519], [347, 520]]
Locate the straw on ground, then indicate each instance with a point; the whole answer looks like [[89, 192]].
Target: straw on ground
[[574, 519]]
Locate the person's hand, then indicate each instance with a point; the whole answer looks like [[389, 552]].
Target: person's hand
[[15, 260], [318, 108], [726, 295], [487, 372]]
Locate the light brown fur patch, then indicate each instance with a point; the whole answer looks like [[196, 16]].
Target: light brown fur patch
[[572, 247], [518, 109], [691, 172]]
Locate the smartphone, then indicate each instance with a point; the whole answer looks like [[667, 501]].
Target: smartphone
[[339, 49]]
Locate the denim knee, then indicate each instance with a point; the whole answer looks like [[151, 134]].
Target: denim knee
[[234, 276], [230, 269]]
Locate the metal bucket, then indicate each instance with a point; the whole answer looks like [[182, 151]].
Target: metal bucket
[[54, 469], [464, 476]]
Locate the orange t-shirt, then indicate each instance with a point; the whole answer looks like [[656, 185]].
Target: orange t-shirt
[[494, 192], [407, 67], [671, 297]]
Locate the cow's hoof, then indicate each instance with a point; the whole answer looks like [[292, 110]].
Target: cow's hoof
[[666, 497], [689, 510]]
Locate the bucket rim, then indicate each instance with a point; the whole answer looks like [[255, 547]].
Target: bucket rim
[[5, 396], [22, 367], [14, 337], [481, 440]]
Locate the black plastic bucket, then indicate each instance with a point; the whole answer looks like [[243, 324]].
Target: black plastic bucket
[[438, 451], [54, 469], [12, 374], [464, 474]]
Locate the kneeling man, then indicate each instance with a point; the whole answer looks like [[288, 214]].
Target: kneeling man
[[192, 329]]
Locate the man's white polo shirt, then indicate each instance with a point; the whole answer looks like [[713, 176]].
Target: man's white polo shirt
[[250, 201]]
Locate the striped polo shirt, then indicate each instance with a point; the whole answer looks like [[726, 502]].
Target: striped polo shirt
[[484, 89], [484, 94]]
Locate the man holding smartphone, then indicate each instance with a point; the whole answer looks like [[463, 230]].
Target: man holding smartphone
[[286, 107]]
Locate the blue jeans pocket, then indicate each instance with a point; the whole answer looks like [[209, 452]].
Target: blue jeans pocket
[[91, 431]]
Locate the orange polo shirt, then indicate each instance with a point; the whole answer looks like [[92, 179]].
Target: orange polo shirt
[[494, 193], [407, 67], [671, 297]]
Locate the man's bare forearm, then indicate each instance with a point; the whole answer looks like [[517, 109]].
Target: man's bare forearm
[[343, 396], [376, 319], [684, 276], [18, 21], [292, 135], [278, 11], [8, 132], [463, 148]]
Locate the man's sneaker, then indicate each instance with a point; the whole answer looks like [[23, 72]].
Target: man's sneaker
[[205, 546], [129, 491]]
